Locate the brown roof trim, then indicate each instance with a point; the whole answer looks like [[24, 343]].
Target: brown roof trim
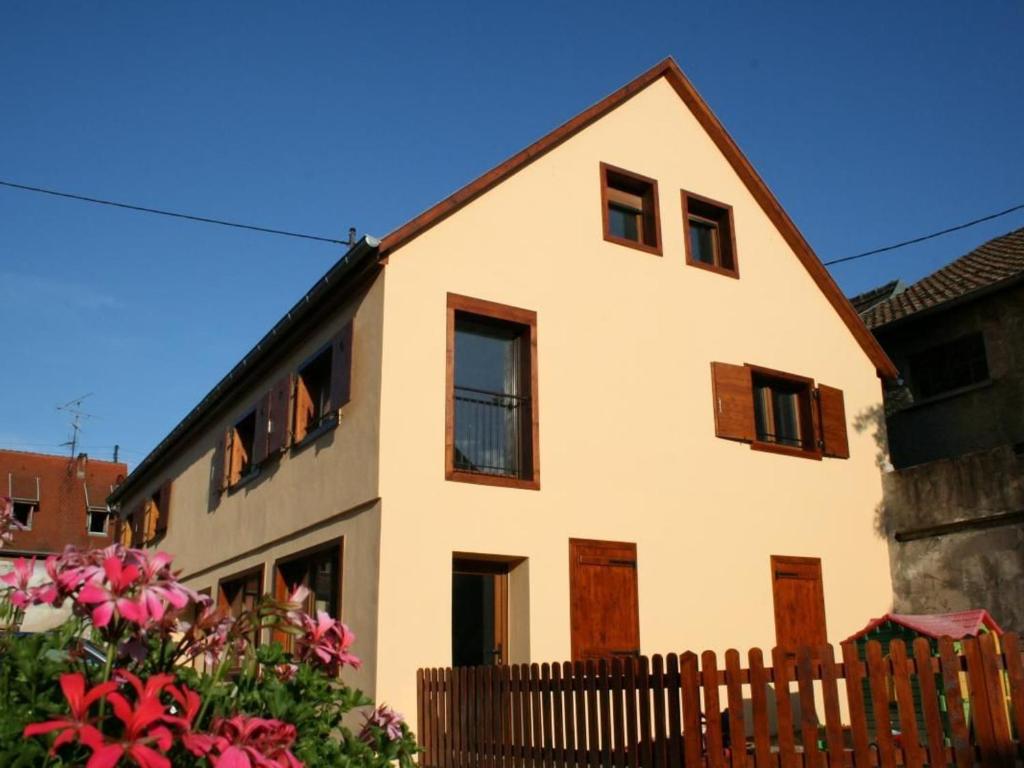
[[762, 194]]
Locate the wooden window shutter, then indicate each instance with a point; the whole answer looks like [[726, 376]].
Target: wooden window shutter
[[279, 426], [341, 367], [138, 525], [163, 508], [832, 422], [219, 468], [733, 401], [261, 438], [799, 600]]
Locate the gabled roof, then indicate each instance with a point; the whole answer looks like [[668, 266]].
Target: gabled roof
[[862, 302], [988, 267], [669, 70], [957, 625]]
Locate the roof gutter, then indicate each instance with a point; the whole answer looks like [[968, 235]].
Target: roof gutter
[[356, 261]]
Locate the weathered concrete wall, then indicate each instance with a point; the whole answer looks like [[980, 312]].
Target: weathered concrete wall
[[977, 567]]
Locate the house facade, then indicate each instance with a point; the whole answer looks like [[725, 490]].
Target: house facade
[[954, 502], [59, 500], [599, 401]]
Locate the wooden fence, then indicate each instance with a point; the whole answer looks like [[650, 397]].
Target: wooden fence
[[963, 706]]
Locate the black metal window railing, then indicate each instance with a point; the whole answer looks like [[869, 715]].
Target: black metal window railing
[[491, 430]]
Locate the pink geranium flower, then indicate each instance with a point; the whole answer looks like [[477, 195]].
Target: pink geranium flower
[[21, 594], [246, 742], [325, 643], [106, 599], [79, 701], [387, 720], [8, 522]]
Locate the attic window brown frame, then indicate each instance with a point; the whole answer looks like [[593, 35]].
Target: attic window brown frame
[[313, 411], [717, 216], [526, 320], [631, 192]]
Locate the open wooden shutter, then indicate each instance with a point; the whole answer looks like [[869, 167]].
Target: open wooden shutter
[[163, 505], [139, 525], [219, 468], [733, 401], [799, 599], [279, 424], [341, 367], [832, 422], [261, 438]]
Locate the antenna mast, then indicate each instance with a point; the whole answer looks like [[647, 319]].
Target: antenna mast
[[74, 407]]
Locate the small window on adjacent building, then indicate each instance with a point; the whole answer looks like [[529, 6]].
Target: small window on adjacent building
[[243, 442], [492, 382], [710, 241], [313, 395], [23, 513], [96, 521], [630, 209], [950, 366]]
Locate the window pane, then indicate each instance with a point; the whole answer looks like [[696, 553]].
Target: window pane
[[624, 222], [702, 241], [787, 418], [490, 401], [777, 412]]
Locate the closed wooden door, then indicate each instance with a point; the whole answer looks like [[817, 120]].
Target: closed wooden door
[[604, 608], [799, 598]]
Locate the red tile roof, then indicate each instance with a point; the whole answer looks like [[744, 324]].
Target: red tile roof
[[956, 625], [988, 265], [58, 487]]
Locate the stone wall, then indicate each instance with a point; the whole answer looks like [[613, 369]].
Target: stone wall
[[956, 533]]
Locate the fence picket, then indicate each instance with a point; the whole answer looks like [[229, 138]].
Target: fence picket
[[1003, 752], [808, 713], [759, 705], [546, 693], [659, 751], [674, 711], [877, 677], [631, 687], [644, 700], [1015, 677], [854, 674], [737, 724], [712, 711], [950, 663], [837, 754], [909, 737], [618, 721], [537, 723], [604, 712], [784, 709], [690, 685], [581, 714], [929, 702], [570, 714]]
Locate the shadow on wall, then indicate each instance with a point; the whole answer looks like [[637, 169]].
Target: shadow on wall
[[873, 419]]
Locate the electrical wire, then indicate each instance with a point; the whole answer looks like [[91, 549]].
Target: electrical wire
[[188, 216], [924, 237]]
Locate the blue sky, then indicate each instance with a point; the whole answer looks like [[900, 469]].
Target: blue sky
[[872, 122]]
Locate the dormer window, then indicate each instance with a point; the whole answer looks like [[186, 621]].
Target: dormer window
[[630, 209]]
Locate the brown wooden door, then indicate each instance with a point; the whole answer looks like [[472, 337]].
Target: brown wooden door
[[799, 602], [604, 609]]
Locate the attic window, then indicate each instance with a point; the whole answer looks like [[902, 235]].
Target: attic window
[[949, 367], [630, 209], [23, 512], [710, 240], [96, 521]]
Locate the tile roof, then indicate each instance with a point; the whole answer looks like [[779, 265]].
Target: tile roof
[[956, 625], [862, 302], [986, 266]]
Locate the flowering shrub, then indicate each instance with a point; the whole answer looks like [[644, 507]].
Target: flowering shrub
[[130, 680]]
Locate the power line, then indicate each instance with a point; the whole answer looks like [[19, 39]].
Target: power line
[[190, 217], [924, 237]]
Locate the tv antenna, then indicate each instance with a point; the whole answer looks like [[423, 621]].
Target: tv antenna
[[74, 407]]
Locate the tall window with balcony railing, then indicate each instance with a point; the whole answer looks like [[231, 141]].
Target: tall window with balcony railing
[[491, 399]]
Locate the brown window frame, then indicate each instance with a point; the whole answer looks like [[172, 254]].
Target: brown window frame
[[259, 570], [719, 215], [490, 310], [281, 588], [809, 430], [650, 218], [328, 416], [235, 477]]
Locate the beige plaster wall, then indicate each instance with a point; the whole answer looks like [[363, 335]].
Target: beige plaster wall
[[321, 491], [627, 444]]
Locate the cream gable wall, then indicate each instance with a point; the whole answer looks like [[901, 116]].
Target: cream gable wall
[[627, 444]]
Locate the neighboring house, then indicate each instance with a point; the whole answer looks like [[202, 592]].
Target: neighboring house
[[60, 500], [955, 503], [596, 402]]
